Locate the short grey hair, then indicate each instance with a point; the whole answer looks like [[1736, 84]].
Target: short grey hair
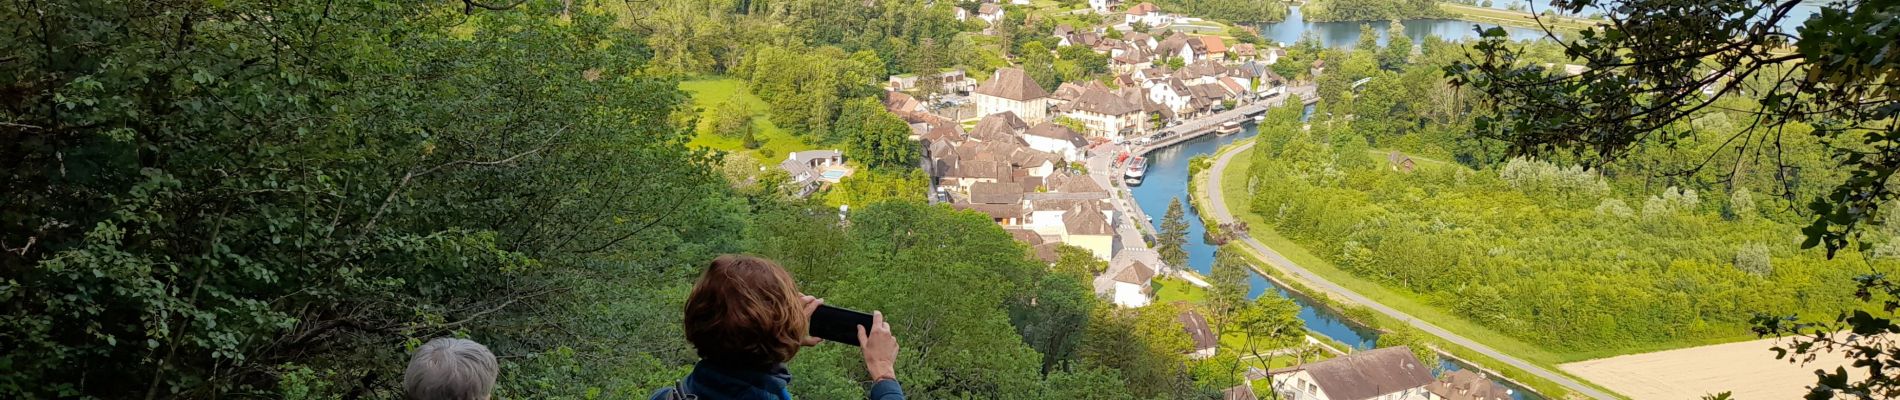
[[450, 369]]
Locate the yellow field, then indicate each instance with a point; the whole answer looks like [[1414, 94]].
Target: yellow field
[[1748, 369]]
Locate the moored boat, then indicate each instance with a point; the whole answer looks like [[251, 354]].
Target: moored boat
[[1227, 128], [1137, 168]]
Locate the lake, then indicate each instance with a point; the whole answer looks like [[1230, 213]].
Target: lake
[[1346, 34]]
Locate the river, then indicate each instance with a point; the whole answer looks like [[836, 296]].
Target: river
[[1167, 178]]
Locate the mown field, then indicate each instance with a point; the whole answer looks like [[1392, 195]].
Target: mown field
[[710, 93]]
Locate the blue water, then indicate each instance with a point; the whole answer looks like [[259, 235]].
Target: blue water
[[1167, 178], [1346, 34]]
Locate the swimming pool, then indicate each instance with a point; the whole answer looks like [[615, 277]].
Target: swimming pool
[[834, 174]]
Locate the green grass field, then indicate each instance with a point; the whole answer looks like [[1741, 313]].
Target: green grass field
[[709, 94], [1512, 18]]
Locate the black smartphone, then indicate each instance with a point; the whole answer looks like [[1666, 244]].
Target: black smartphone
[[838, 324]]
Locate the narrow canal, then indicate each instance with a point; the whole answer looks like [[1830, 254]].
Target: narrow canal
[[1167, 178]]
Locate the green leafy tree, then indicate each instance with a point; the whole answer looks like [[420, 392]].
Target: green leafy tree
[[1637, 87], [1398, 47], [1078, 262], [734, 119], [1094, 383], [1053, 323], [1172, 241], [1413, 339], [1229, 280], [1040, 65], [1269, 323], [219, 199], [875, 137]]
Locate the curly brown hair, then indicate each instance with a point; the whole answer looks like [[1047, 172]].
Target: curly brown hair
[[745, 310]]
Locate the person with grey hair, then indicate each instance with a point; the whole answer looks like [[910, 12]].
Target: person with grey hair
[[450, 369]]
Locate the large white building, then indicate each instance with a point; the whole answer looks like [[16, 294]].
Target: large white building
[[1057, 139], [1105, 114], [1011, 90]]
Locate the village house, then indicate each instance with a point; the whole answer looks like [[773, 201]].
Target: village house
[[812, 168], [1180, 45], [1056, 139], [1199, 333], [1273, 55], [1148, 14], [1214, 47], [1242, 392], [1400, 162], [990, 13], [1466, 385], [952, 81], [1040, 246], [1391, 373], [1103, 7], [1086, 225], [902, 104], [1245, 52], [1105, 115], [1012, 90], [1133, 286]]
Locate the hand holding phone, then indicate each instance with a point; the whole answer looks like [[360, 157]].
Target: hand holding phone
[[880, 348], [838, 324]]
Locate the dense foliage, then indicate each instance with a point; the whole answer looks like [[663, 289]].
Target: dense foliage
[[1577, 260], [209, 199], [1825, 86], [236, 199]]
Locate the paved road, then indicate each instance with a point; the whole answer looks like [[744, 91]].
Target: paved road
[[1190, 129], [1218, 206]]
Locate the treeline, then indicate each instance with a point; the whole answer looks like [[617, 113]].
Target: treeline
[[1369, 10], [1228, 10], [818, 64], [284, 206], [1642, 253]]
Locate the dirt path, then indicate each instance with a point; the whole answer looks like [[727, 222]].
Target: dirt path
[[1748, 369]]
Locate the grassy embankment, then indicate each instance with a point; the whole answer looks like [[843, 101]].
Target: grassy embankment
[[1513, 18], [1407, 302], [710, 93]]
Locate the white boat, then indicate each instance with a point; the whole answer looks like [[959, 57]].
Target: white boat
[[1258, 118], [1229, 127], [1137, 167]]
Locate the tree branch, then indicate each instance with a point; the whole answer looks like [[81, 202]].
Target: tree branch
[[469, 6]]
